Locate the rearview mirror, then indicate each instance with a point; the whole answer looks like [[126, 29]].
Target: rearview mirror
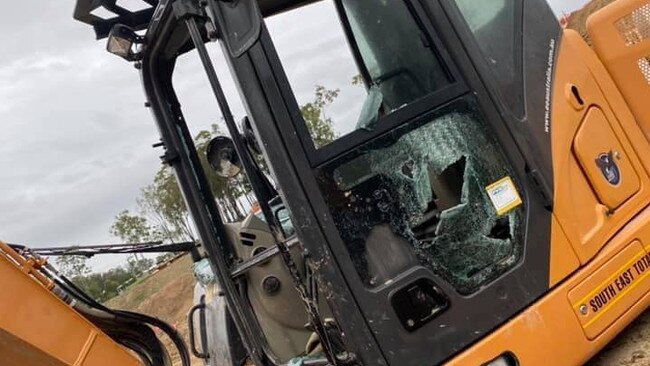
[[121, 41], [223, 157]]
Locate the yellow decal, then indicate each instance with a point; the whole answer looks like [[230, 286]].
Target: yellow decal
[[615, 287], [504, 196]]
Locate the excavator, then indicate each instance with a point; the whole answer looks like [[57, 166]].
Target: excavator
[[480, 196]]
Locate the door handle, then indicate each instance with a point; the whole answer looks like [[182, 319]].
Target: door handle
[[202, 331]]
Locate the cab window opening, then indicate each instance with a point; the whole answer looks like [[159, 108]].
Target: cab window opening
[[265, 286], [359, 64]]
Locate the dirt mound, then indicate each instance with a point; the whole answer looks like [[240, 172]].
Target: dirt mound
[[578, 19], [166, 294]]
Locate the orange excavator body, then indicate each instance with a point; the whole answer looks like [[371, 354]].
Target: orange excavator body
[[38, 328]]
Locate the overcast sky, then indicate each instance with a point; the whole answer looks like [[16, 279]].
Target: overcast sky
[[75, 143], [75, 140]]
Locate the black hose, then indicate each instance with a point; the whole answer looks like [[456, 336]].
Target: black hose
[[80, 295], [166, 328], [132, 334]]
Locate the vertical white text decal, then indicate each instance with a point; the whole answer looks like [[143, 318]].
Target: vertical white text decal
[[549, 85]]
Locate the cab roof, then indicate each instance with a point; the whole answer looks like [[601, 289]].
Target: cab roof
[[139, 19]]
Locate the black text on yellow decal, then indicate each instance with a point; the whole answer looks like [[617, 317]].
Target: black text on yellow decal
[[619, 283]]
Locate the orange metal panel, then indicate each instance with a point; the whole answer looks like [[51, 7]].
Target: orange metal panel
[[16, 352], [104, 352], [621, 37], [34, 320], [550, 332], [583, 214], [595, 141], [564, 260]]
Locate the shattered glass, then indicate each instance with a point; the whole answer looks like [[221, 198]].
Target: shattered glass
[[420, 197]]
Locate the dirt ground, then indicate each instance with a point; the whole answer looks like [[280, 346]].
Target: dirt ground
[[167, 295], [632, 347]]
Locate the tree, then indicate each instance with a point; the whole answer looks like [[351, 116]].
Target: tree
[[319, 125], [163, 214], [137, 267], [104, 286], [132, 228], [163, 203], [357, 80], [164, 258], [73, 266]]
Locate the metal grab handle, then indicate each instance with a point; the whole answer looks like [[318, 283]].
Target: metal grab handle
[[190, 320]]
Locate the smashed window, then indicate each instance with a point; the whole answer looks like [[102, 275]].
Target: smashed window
[[418, 195]]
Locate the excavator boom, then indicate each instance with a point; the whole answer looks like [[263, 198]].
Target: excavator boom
[[38, 328]]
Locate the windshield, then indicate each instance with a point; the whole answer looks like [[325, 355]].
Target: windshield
[[493, 23], [401, 64]]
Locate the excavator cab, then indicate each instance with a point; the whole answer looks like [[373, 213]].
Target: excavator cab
[[475, 182]]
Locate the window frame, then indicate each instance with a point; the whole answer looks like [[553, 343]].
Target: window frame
[[455, 89], [418, 122]]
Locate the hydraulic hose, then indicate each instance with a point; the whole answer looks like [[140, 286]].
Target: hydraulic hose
[[141, 339]]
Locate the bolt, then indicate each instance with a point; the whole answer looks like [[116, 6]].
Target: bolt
[[271, 285], [410, 323], [584, 310]]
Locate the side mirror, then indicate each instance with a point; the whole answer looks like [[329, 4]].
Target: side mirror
[[121, 41], [282, 217], [223, 157]]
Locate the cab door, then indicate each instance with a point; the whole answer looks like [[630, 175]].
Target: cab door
[[408, 170]]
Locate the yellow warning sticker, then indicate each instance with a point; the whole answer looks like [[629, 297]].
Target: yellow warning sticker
[[504, 196]]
